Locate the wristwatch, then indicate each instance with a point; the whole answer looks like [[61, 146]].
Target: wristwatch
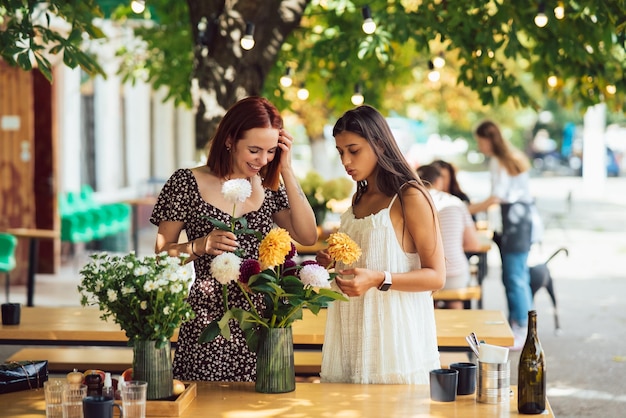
[[386, 284]]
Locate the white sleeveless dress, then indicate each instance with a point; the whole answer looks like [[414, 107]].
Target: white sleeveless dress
[[380, 337]]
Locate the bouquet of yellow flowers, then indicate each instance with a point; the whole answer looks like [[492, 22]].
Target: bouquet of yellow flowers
[[287, 287]]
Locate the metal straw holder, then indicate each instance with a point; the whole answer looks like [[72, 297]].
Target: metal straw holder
[[493, 382]]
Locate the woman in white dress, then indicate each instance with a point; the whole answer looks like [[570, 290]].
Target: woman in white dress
[[385, 332]]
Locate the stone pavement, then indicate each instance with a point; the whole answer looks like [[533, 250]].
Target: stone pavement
[[587, 361]]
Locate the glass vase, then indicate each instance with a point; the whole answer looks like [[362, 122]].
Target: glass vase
[[275, 371], [153, 365]]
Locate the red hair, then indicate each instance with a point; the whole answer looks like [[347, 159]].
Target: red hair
[[246, 114]]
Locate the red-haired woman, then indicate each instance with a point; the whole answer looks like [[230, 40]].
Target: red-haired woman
[[250, 143]]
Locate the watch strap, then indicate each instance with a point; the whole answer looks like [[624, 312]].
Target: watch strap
[[386, 284]]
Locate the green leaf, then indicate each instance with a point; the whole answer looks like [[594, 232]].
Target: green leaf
[[219, 224], [209, 333], [252, 339], [333, 295]]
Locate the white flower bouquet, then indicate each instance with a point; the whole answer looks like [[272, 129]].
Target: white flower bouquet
[[146, 296]]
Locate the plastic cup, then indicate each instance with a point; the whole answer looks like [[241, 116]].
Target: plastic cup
[[134, 399], [53, 392]]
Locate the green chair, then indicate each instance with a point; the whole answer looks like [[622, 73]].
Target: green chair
[[7, 257]]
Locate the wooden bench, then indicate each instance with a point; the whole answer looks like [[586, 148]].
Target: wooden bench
[[118, 359], [466, 294]]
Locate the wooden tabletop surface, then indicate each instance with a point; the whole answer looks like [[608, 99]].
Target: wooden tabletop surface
[[230, 400], [83, 326]]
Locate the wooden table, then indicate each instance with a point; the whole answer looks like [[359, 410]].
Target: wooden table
[[237, 400], [33, 235], [82, 326]]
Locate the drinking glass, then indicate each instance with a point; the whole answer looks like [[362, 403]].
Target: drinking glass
[[53, 392], [134, 399], [73, 395]]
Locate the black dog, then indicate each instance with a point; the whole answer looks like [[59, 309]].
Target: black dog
[[540, 277]]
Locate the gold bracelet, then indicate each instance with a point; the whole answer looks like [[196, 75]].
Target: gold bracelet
[[192, 250]]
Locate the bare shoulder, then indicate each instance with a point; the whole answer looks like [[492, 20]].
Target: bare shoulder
[[415, 194]]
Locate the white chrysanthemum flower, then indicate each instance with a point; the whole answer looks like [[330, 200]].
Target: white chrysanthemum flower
[[176, 288], [166, 310], [170, 276], [126, 290], [150, 285], [183, 274], [315, 275], [140, 271], [111, 295], [143, 305], [225, 268], [130, 265], [237, 190]]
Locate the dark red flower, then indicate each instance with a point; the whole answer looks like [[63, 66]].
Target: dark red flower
[[248, 269], [292, 253], [288, 268]]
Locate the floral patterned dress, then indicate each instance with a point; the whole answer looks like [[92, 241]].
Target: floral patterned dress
[[221, 359]]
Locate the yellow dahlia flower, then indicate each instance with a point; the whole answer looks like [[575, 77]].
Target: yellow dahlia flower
[[342, 248], [274, 248]]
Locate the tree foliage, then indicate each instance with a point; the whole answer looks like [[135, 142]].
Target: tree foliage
[[31, 32], [498, 51]]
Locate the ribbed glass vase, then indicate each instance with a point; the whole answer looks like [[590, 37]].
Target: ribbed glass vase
[[275, 371], [153, 365]]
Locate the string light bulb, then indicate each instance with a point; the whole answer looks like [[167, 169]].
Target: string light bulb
[[553, 81], [303, 92], [611, 89], [541, 19], [369, 26], [439, 61], [247, 42], [559, 11], [286, 80], [357, 98], [433, 74], [138, 6]]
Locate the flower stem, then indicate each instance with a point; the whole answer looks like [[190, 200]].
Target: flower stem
[[232, 219], [245, 294], [292, 312], [225, 296]]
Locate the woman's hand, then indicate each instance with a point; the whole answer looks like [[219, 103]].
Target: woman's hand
[[361, 280], [323, 259], [285, 142], [216, 243]]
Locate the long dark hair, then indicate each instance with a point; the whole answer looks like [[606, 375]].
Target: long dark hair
[[249, 113], [455, 188], [394, 172]]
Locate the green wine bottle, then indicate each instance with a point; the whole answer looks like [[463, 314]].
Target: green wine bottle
[[531, 376]]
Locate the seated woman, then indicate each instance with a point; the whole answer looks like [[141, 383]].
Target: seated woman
[[450, 184], [457, 231]]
